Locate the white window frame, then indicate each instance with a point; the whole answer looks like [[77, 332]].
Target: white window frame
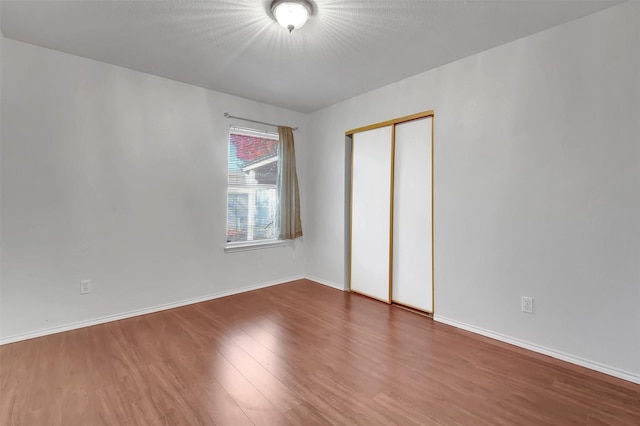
[[231, 247]]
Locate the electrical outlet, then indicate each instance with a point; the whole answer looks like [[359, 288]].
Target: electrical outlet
[[85, 286], [527, 305]]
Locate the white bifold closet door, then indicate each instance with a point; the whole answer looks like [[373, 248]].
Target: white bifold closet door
[[371, 212], [412, 239]]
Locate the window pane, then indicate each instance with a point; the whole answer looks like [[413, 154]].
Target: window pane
[[237, 217], [252, 195], [265, 213]]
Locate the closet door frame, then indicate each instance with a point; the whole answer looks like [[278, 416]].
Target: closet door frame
[[392, 123]]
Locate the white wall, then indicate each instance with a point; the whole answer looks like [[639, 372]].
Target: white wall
[[119, 177], [537, 186]]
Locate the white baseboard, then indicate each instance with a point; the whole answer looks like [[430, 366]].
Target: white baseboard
[[325, 282], [143, 311], [621, 374]]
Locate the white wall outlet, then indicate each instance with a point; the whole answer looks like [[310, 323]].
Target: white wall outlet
[[527, 305], [85, 286]]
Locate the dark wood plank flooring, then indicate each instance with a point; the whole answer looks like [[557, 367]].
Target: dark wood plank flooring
[[296, 354]]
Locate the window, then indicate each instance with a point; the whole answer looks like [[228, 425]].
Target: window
[[252, 190]]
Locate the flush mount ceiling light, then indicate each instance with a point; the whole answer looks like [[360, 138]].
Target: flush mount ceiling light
[[291, 14]]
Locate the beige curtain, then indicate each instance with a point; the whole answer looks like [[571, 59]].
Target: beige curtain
[[288, 218]]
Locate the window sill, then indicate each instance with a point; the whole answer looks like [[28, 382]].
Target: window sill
[[256, 245]]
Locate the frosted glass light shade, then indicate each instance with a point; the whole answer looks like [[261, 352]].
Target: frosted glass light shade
[[291, 14]]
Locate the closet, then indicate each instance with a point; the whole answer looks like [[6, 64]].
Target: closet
[[391, 211]]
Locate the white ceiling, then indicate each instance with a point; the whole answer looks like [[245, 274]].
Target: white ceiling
[[347, 48]]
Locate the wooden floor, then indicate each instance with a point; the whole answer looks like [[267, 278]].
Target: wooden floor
[[299, 353]]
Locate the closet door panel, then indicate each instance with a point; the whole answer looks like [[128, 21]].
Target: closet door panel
[[370, 213], [412, 247]]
